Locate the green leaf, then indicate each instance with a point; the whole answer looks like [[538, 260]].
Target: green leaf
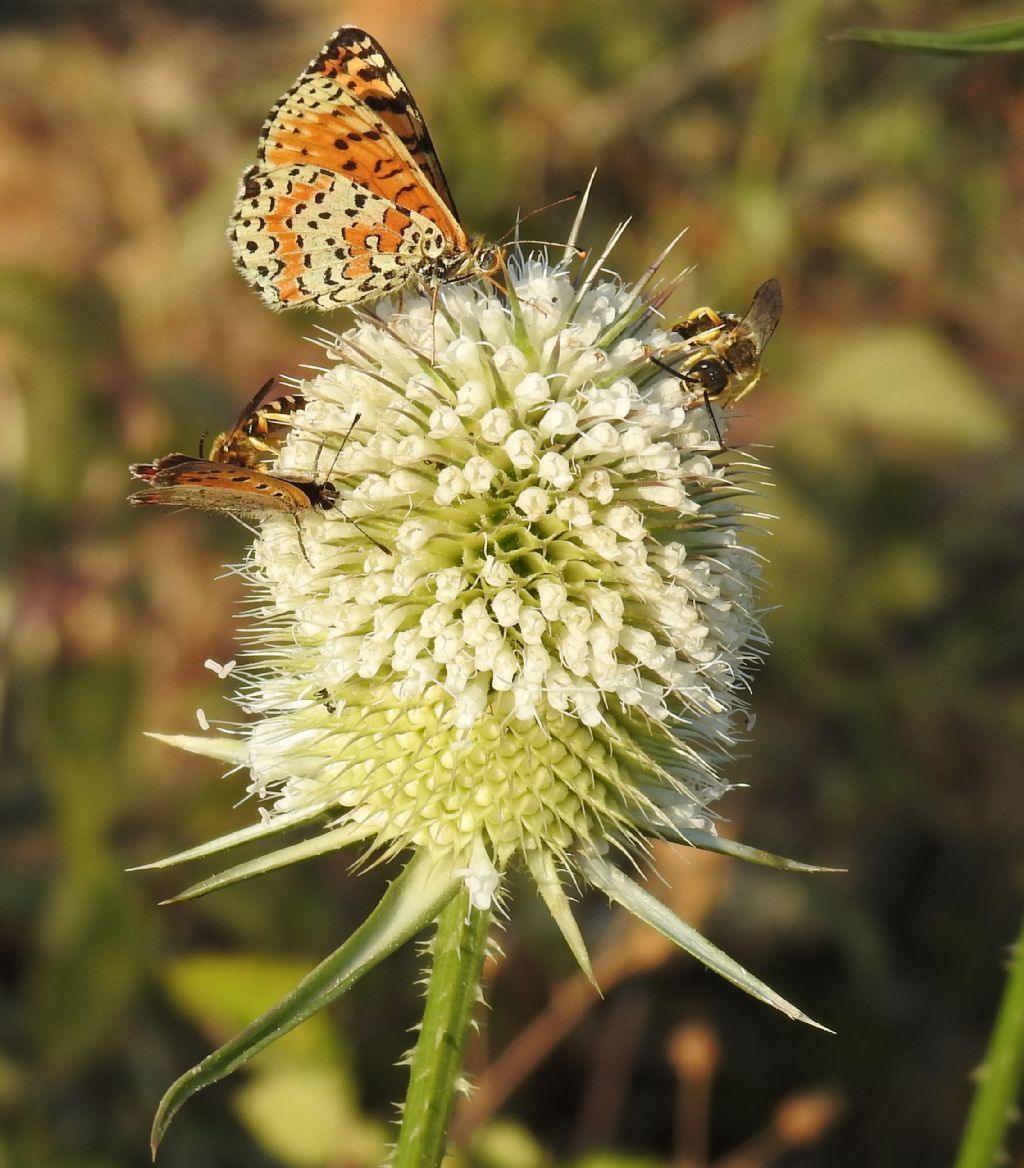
[[299, 1099], [1007, 36], [220, 993], [410, 903], [308, 1116], [503, 1143], [636, 900]]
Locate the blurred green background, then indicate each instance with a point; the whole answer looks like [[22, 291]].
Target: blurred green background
[[885, 191]]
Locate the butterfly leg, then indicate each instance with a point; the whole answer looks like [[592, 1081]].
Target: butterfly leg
[[302, 545]]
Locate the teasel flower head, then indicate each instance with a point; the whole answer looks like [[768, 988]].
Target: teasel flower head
[[524, 635]]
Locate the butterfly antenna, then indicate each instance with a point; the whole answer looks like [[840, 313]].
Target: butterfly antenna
[[355, 522], [344, 441], [302, 544], [579, 253], [366, 535], [520, 219], [513, 231], [316, 457]]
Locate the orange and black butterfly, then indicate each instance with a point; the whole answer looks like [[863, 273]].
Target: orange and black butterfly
[[347, 201], [229, 480]]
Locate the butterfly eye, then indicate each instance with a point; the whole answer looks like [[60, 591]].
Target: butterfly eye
[[711, 374], [489, 260], [327, 496]]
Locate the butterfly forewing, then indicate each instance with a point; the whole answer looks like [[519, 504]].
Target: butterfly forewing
[[350, 88], [177, 481], [218, 486]]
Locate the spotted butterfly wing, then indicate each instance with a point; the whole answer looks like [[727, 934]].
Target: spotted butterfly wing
[[354, 63], [347, 201]]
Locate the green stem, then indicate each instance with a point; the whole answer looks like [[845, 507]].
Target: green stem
[[999, 1079], [458, 956]]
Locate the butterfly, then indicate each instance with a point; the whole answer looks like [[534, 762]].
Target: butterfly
[[347, 201], [229, 479]]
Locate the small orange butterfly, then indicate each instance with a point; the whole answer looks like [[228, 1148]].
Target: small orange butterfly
[[228, 480], [347, 201]]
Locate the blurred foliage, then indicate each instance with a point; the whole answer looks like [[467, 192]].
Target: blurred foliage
[[1004, 36], [300, 1100], [885, 190]]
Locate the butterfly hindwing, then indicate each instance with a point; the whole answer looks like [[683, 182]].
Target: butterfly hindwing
[[304, 235]]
